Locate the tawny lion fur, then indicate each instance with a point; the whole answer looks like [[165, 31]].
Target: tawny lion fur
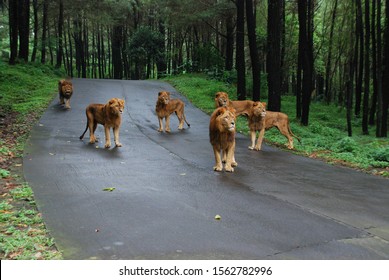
[[165, 107], [222, 138], [109, 115], [242, 107], [65, 90], [272, 119], [256, 120]]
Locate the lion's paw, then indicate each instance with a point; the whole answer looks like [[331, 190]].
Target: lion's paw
[[229, 169], [218, 168], [118, 144], [234, 164], [107, 145], [251, 148]]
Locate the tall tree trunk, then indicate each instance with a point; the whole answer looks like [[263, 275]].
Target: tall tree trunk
[[306, 10], [366, 95], [117, 37], [44, 31], [240, 57], [255, 67], [24, 28], [274, 54], [385, 76], [36, 26], [60, 35], [328, 94], [13, 30], [359, 82], [379, 72], [229, 43]]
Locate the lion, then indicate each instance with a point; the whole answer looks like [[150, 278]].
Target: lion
[[242, 107], [108, 115], [165, 107], [65, 90], [281, 122], [256, 120], [222, 137]]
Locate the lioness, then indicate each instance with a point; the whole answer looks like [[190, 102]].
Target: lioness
[[277, 119], [256, 119], [108, 115], [242, 107], [165, 107], [65, 90], [281, 121], [222, 137]]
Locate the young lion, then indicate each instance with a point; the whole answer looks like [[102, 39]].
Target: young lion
[[108, 115], [222, 137], [165, 107], [242, 107], [65, 90], [281, 121], [256, 119]]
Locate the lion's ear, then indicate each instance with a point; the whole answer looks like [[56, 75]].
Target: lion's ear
[[264, 104], [159, 93], [217, 94], [221, 111]]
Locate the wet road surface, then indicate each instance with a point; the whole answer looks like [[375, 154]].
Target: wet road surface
[[275, 206]]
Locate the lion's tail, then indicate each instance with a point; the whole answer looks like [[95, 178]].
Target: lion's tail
[[82, 136], [291, 133], [186, 121]]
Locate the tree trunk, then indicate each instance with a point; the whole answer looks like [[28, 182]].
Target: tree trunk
[[274, 54], [359, 82], [229, 43], [13, 30], [385, 76], [366, 96], [117, 37], [24, 28], [306, 10], [255, 67], [240, 57], [379, 72], [36, 26], [60, 35], [328, 94], [44, 31]]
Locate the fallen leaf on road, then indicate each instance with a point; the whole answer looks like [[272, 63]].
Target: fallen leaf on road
[[218, 217], [109, 189]]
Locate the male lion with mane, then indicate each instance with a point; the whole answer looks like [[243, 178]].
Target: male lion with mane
[[165, 107], [242, 107], [65, 90], [108, 115], [222, 138]]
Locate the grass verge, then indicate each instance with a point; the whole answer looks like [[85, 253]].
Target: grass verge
[[325, 138], [25, 92]]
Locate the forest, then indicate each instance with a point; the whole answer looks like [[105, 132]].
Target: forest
[[328, 51]]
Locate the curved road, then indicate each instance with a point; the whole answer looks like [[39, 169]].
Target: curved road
[[275, 206]]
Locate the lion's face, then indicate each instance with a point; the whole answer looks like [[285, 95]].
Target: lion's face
[[66, 87], [116, 106], [226, 120], [164, 97], [259, 109], [221, 99]]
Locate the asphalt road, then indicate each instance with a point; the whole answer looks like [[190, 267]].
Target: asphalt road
[[275, 206]]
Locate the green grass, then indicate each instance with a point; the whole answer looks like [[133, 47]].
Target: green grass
[[26, 88], [25, 92], [325, 137]]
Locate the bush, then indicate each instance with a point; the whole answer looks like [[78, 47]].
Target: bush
[[346, 145], [381, 154]]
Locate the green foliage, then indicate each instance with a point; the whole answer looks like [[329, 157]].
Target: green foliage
[[27, 88], [4, 173], [145, 44]]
